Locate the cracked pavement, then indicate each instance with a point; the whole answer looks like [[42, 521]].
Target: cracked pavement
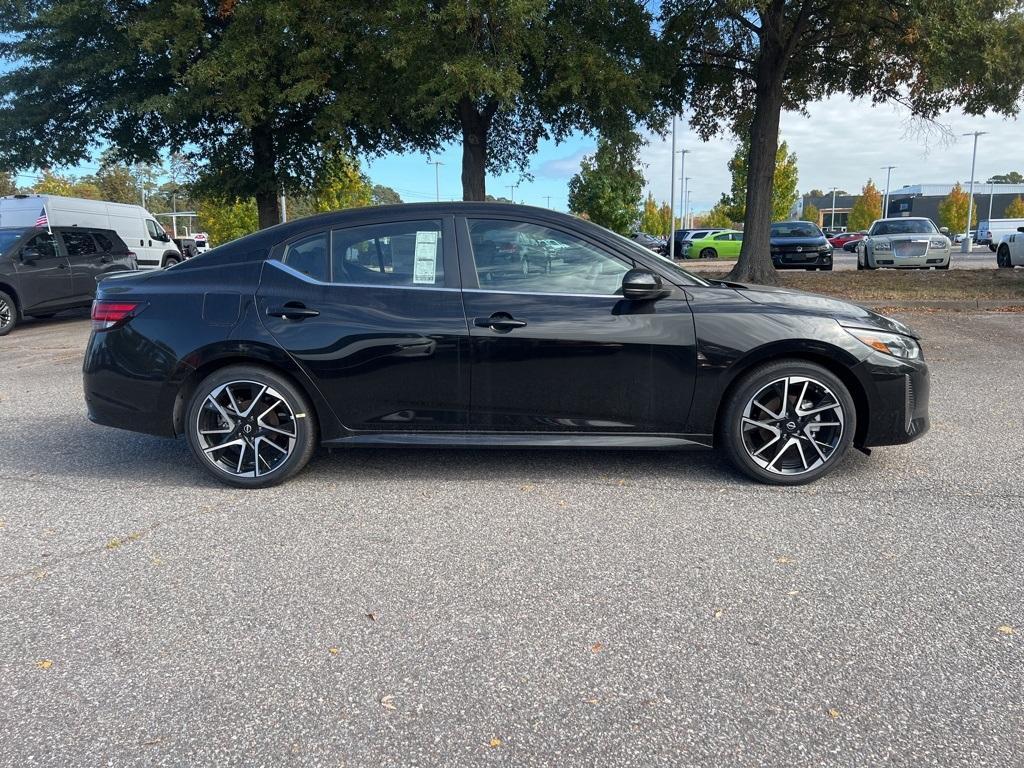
[[426, 608]]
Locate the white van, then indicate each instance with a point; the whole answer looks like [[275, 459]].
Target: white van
[[990, 233], [153, 248]]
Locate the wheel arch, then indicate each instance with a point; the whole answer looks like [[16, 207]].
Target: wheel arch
[[172, 255], [833, 359], [205, 362], [10, 291]]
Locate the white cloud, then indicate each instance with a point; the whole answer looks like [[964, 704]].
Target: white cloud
[[843, 142]]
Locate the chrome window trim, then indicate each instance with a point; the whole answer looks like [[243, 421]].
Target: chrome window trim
[[538, 293], [306, 278]]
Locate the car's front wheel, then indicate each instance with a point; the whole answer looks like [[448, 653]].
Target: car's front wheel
[[250, 427], [8, 314], [788, 423]]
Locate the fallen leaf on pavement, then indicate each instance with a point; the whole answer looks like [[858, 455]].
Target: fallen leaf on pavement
[[388, 702], [44, 663], [333, 651], [1006, 629], [784, 560], [494, 743], [833, 713], [597, 647], [371, 616]]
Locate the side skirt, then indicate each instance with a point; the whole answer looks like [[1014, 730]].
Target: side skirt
[[524, 440]]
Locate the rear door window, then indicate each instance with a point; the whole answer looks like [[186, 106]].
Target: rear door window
[[309, 256], [403, 253], [78, 244], [105, 243]]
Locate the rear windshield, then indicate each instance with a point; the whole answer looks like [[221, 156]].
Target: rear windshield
[[903, 227], [8, 236], [795, 229]]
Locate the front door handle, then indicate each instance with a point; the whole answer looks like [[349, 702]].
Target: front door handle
[[499, 321], [293, 310]]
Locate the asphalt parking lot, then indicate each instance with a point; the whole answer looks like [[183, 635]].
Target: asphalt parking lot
[[435, 608], [980, 257]]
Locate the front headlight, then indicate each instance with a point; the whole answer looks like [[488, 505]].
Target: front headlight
[[882, 245], [894, 344], [937, 242]]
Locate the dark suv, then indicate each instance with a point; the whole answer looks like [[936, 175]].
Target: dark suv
[[44, 271], [800, 245]]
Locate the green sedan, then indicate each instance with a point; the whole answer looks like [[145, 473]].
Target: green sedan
[[725, 244]]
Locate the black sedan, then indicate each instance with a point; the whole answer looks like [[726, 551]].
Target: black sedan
[[387, 326], [800, 245]]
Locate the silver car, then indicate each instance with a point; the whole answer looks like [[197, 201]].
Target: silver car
[[904, 243]]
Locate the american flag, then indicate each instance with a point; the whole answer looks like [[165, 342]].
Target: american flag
[[42, 221]]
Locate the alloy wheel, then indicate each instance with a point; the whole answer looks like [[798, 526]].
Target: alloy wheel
[[792, 425], [6, 313], [246, 429]]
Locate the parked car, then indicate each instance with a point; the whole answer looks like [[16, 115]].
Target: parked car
[[45, 271], [1010, 251], [202, 241], [904, 243], [991, 232], [959, 237], [651, 242], [799, 245], [186, 246], [684, 235], [286, 339], [724, 244], [134, 224], [840, 240]]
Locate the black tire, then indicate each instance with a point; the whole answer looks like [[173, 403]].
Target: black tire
[[8, 314], [170, 261], [731, 426], [303, 423], [709, 253], [1003, 258]]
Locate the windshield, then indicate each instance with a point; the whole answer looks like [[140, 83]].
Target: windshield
[[8, 236], [795, 229], [903, 227]]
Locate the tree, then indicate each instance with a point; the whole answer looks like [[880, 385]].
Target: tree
[[500, 76], [669, 222], [1013, 177], [739, 64], [815, 193], [650, 219], [784, 184], [341, 184], [953, 210], [116, 184], [7, 185], [718, 217], [382, 195], [1015, 210], [866, 208], [811, 213], [224, 221], [608, 186], [260, 93]]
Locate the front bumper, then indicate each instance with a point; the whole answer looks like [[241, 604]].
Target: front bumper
[[898, 393], [801, 260]]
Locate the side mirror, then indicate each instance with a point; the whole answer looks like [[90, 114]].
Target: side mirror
[[1020, 229], [944, 230], [642, 285]]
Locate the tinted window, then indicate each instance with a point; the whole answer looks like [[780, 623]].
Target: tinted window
[[45, 244], [8, 236], [904, 227], [104, 242], [795, 229], [309, 256], [395, 253], [517, 256], [78, 243]]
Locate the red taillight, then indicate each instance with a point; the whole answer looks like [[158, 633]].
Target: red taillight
[[107, 314]]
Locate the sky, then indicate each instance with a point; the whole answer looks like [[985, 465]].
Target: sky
[[839, 142]]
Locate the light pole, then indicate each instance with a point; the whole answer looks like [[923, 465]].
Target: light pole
[[832, 226], [686, 209], [965, 244], [672, 197], [885, 200], [991, 194], [689, 208], [682, 185], [511, 192], [437, 177], [548, 198]]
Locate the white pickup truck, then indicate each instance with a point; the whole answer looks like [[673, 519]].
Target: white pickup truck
[[991, 232], [1010, 250]]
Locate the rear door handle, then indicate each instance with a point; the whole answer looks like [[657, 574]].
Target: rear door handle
[[293, 310], [499, 321]]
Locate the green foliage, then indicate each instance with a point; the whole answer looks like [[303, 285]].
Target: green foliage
[[7, 185], [718, 217], [651, 220], [341, 184], [1013, 177], [953, 210], [224, 221], [866, 208], [811, 213], [1015, 210], [815, 193], [609, 186], [65, 186], [784, 193], [382, 195]]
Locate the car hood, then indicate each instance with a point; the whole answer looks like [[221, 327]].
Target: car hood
[[845, 313]]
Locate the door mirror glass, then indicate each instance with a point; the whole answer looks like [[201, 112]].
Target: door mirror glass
[[642, 285]]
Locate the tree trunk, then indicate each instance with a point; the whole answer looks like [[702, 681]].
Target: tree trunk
[[264, 173], [475, 127], [755, 261]]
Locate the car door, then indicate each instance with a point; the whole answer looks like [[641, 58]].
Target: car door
[[83, 258], [374, 314], [561, 350], [44, 274]]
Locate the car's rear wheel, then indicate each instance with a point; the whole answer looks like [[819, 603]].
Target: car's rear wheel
[[788, 423], [250, 427], [709, 253], [8, 314], [1003, 258], [170, 261]]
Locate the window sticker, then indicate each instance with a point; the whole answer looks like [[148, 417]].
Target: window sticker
[[425, 267]]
